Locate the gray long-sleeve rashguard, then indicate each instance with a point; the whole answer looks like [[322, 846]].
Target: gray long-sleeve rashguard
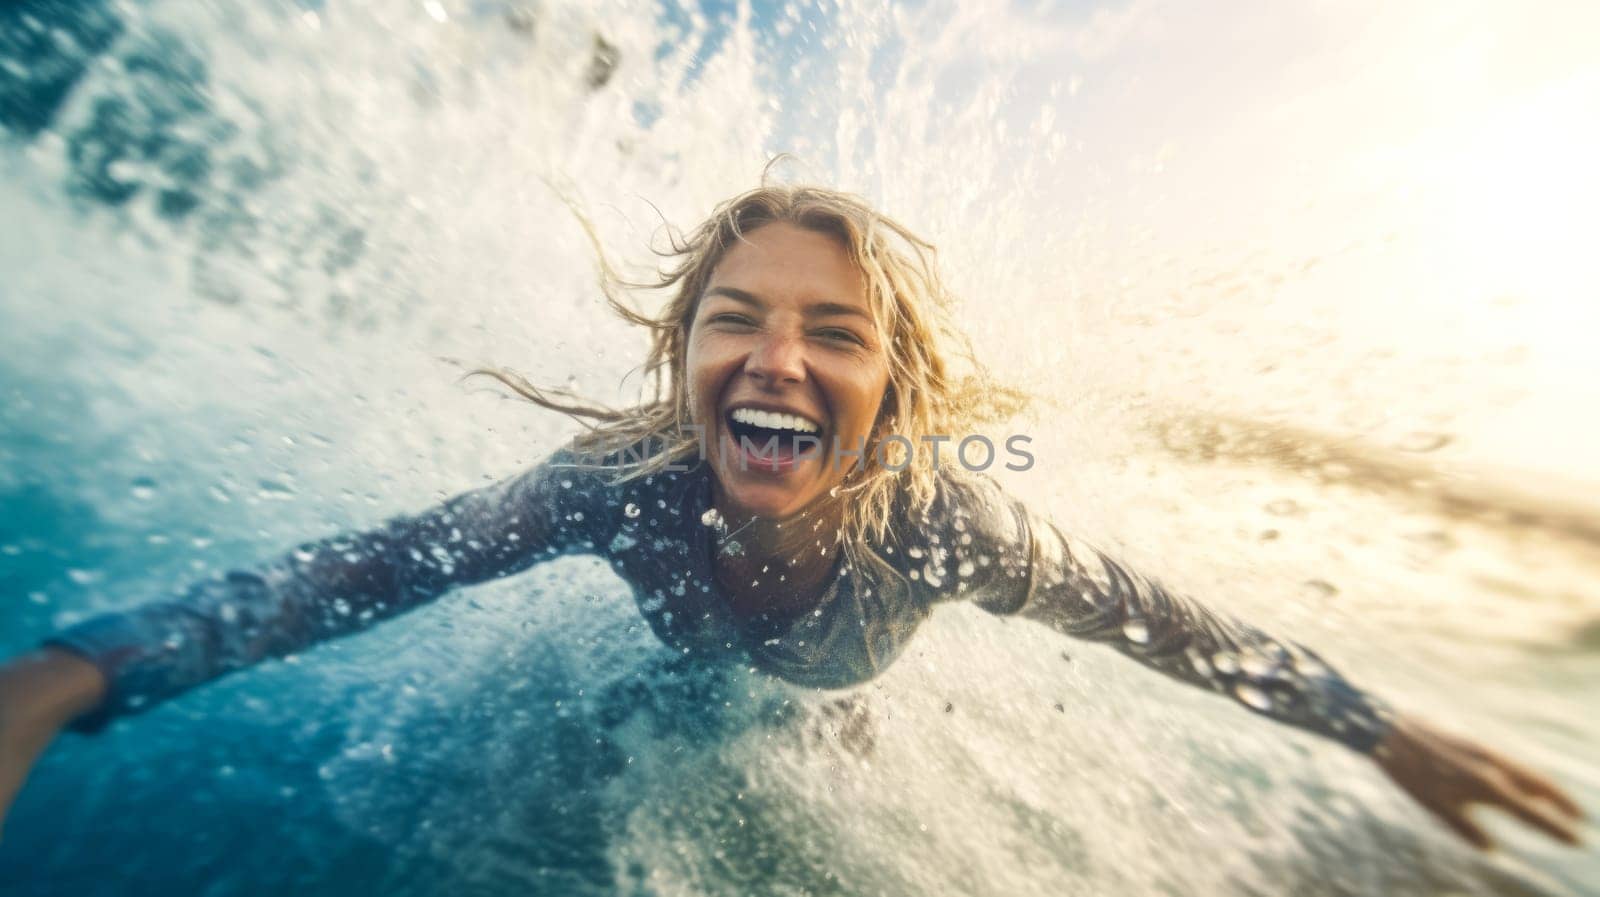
[[973, 542]]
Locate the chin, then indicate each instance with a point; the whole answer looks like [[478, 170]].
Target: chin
[[769, 502]]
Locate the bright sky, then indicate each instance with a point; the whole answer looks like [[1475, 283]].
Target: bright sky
[[1369, 217]]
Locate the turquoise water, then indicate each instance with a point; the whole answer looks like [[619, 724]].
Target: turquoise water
[[247, 249]]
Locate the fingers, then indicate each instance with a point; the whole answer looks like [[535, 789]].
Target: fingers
[[1539, 786], [1535, 800], [1446, 774], [1510, 797]]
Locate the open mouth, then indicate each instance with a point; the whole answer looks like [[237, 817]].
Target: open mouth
[[773, 439]]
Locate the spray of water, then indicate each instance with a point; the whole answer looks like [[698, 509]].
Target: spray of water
[[1298, 286]]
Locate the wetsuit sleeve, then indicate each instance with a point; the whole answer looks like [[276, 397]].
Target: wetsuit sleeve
[[330, 588], [1021, 564]]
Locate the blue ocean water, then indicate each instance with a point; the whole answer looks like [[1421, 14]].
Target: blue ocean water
[[247, 248]]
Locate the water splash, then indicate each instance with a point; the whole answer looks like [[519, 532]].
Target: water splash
[[253, 230]]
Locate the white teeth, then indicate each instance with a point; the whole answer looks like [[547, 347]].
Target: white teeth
[[772, 420]]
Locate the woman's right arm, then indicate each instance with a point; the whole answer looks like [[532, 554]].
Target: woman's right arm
[[329, 588], [123, 662]]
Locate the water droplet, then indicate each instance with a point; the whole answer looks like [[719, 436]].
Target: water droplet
[[630, 510], [1252, 696], [274, 491], [1321, 588], [1225, 663], [83, 577], [712, 518], [143, 489], [914, 552], [1136, 631], [965, 569]]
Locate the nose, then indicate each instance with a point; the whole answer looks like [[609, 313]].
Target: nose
[[778, 358]]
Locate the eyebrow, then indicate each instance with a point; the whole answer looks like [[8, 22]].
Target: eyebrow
[[818, 310]]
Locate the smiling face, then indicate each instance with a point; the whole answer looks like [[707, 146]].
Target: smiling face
[[783, 344]]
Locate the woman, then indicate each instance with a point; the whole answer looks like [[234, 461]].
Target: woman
[[781, 503]]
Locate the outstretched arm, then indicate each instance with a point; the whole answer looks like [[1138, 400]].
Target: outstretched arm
[[124, 662], [326, 589], [1023, 565], [1013, 562], [1082, 592]]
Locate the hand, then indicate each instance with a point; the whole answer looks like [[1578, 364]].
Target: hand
[[39, 693], [1446, 774]]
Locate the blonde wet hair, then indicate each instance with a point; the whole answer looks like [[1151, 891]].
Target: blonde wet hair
[[936, 387]]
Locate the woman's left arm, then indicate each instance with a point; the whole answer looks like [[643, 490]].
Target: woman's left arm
[[1081, 592], [1035, 572]]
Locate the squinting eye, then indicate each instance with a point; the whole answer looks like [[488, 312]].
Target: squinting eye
[[834, 333], [731, 318]]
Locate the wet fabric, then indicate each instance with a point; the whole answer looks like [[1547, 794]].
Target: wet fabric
[[973, 542]]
